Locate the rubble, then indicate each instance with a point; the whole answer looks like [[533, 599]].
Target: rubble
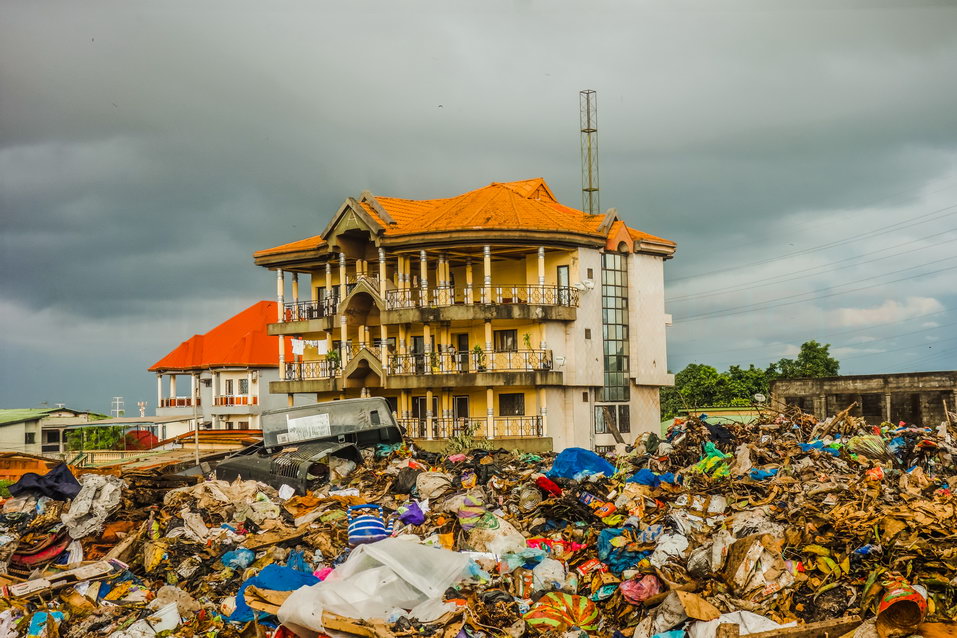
[[784, 527]]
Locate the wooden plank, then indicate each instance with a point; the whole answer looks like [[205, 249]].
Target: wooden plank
[[826, 629], [728, 630]]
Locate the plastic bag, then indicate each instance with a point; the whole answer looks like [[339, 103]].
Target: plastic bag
[[548, 575], [374, 580], [411, 514], [574, 461], [640, 589], [495, 535]]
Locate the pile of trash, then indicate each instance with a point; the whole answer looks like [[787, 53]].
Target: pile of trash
[[781, 526]]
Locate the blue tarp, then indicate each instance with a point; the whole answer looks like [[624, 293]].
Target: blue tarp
[[275, 577], [576, 462]]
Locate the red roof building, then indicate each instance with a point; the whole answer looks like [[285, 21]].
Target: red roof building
[[227, 369]]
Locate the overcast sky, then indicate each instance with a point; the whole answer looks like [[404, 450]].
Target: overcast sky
[[802, 154]]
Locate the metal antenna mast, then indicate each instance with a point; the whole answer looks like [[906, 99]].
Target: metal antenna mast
[[589, 150]]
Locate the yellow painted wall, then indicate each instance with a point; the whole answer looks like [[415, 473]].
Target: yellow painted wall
[[553, 259], [477, 404]]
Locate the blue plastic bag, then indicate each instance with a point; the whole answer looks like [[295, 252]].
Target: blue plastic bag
[[644, 476], [576, 461], [760, 475], [239, 558], [618, 559]]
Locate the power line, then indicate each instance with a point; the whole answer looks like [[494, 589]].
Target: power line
[[838, 332], [764, 305], [907, 347], [877, 231], [829, 335], [776, 279]]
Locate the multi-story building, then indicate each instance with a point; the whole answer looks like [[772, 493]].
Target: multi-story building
[[220, 379], [499, 312]]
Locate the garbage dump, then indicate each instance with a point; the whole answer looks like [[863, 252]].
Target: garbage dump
[[788, 526]]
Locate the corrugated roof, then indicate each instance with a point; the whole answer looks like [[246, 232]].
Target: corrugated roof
[[239, 341], [17, 415], [522, 205]]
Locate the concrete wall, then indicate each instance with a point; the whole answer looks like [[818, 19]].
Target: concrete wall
[[12, 437], [647, 319], [916, 397]]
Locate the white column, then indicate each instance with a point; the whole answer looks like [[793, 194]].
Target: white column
[[382, 271], [541, 266], [342, 276], [172, 386], [424, 277], [295, 288], [159, 389], [543, 410], [489, 413], [468, 281], [428, 414], [328, 280], [487, 263], [249, 388], [216, 384]]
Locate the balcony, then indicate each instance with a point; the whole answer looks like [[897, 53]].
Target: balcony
[[239, 399], [478, 302], [510, 294], [311, 370], [413, 371], [308, 310], [179, 402], [468, 362], [504, 427]]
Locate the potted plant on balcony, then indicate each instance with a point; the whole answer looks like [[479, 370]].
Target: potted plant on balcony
[[479, 356], [333, 358]]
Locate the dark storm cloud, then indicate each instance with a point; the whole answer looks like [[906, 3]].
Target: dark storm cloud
[[146, 150]]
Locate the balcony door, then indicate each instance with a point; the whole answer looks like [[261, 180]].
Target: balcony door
[[462, 352], [460, 413], [420, 413], [564, 286]]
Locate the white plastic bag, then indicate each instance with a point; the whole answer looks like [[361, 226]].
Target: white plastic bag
[[376, 579], [496, 535]]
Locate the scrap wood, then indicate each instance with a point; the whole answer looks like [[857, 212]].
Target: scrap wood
[[39, 586], [835, 628], [265, 600]]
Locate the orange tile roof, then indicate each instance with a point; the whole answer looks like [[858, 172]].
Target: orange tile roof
[[239, 341], [638, 235], [310, 243], [522, 205]]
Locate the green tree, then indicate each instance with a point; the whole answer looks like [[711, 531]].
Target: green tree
[[104, 437], [695, 386], [700, 386], [814, 360]]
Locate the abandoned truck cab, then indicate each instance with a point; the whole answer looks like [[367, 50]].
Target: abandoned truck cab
[[300, 442]]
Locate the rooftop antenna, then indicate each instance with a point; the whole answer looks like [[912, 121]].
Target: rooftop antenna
[[116, 409], [589, 151]]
